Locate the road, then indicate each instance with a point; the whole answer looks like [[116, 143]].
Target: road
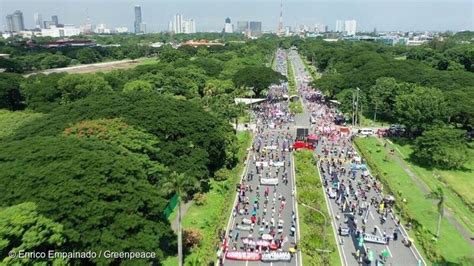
[[271, 206], [352, 190]]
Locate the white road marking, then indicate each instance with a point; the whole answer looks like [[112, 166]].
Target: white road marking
[[389, 252]]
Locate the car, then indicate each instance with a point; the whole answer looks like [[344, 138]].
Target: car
[[366, 131]]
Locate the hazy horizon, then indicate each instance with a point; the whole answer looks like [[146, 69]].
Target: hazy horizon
[[385, 15]]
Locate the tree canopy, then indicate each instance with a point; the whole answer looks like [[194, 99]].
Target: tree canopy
[[444, 148]]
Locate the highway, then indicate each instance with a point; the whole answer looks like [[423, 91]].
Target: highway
[[263, 223], [353, 195]]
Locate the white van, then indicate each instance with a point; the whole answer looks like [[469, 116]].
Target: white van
[[366, 131]]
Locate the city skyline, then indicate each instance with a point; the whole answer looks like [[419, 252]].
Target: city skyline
[[405, 16]]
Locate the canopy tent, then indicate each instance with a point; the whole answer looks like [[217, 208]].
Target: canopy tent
[[294, 97], [249, 101]]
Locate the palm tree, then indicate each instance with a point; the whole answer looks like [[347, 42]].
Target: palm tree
[[209, 90], [179, 184], [438, 194]]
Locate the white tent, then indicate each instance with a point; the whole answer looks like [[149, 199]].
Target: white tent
[[248, 101]]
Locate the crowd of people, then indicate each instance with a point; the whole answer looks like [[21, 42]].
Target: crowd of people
[[263, 218]]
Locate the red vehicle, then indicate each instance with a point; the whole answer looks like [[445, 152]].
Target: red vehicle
[[309, 142]]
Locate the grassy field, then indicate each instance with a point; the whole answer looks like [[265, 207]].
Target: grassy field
[[295, 107], [458, 184], [11, 121], [212, 216], [312, 223], [423, 212]]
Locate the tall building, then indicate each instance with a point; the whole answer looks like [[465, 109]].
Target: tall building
[[255, 28], [189, 26], [350, 27], [138, 19], [17, 23], [65, 31], [143, 27], [55, 20], [47, 24], [228, 27], [242, 27], [339, 26], [178, 24], [38, 21], [9, 23], [318, 28]]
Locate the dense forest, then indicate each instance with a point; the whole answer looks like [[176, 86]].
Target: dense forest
[[88, 169]]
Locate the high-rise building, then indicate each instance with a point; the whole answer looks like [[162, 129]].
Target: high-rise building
[[143, 27], [38, 21], [350, 27], [189, 26], [47, 24], [138, 19], [228, 27], [255, 28], [178, 24], [318, 28], [15, 22], [242, 27], [55, 19], [9, 23], [339, 26]]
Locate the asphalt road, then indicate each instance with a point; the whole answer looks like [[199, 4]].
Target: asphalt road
[[271, 142], [367, 218]]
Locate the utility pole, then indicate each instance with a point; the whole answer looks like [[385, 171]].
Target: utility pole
[[357, 107], [353, 108]]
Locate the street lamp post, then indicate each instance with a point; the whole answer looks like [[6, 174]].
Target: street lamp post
[[325, 224]]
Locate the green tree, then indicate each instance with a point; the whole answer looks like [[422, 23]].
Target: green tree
[[23, 228], [442, 147], [88, 56], [179, 184], [55, 61], [257, 77], [137, 85], [438, 195], [10, 94], [107, 201], [76, 86], [421, 108], [41, 91], [383, 95]]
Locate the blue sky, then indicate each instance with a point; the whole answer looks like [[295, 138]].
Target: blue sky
[[403, 15]]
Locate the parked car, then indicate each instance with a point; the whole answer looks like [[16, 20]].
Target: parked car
[[366, 131]]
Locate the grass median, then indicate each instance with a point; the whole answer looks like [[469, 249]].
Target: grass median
[[451, 247], [312, 223], [210, 214], [295, 106]]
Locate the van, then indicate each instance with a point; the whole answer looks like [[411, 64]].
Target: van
[[366, 131]]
